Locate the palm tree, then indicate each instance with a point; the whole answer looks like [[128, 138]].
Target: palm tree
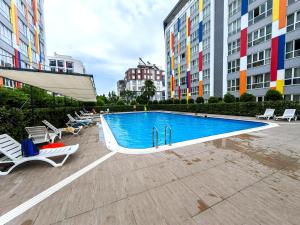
[[148, 90]]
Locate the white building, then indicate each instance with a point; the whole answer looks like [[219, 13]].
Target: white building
[[65, 64], [135, 79]]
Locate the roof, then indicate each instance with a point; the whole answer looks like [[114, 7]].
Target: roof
[[174, 12]]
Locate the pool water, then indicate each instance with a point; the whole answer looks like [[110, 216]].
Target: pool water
[[134, 130]]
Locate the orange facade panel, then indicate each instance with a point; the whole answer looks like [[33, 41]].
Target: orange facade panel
[[243, 82]]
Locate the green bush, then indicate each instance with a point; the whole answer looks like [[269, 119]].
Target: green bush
[[246, 97], [183, 101], [120, 102], [169, 101], [133, 102], [273, 95], [199, 100], [191, 101], [176, 101], [155, 102], [162, 102], [213, 100], [229, 98]]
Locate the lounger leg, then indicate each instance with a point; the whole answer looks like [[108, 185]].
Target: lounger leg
[[8, 171], [54, 164]]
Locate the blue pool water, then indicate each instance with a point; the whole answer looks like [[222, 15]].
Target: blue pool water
[[134, 130]]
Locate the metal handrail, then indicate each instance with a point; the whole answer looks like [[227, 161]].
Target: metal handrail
[[170, 135], [154, 129]]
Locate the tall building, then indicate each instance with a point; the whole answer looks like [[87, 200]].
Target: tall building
[[237, 46], [135, 79], [22, 38], [121, 86], [65, 64]]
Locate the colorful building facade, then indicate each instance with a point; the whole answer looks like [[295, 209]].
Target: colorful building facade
[[22, 39], [242, 46]]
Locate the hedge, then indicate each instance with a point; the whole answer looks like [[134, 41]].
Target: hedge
[[13, 121]]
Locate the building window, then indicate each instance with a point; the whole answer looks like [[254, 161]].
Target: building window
[[293, 21], [292, 49], [4, 9], [259, 58], [234, 47], [233, 85], [206, 59], [22, 28], [6, 59], [5, 34], [234, 7], [206, 73], [24, 48], [261, 35], [260, 12], [52, 62], [206, 89], [234, 66], [292, 1], [206, 28], [206, 11], [34, 59], [69, 65], [258, 81], [206, 44], [292, 76], [60, 63], [21, 6], [234, 27]]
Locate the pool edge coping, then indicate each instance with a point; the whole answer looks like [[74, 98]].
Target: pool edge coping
[[112, 144]]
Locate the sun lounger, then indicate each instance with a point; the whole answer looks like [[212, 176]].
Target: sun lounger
[[72, 121], [288, 114], [85, 114], [269, 113], [40, 134], [12, 154], [82, 117], [59, 131]]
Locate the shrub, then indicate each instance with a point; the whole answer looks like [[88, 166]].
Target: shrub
[[133, 102], [213, 100], [150, 102], [229, 98], [200, 100], [273, 95], [183, 101], [176, 101], [120, 102], [246, 97], [191, 101], [155, 102], [169, 101]]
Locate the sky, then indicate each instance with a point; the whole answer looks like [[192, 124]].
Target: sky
[[108, 36]]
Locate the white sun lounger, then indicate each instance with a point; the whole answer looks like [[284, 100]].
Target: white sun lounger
[[82, 117], [85, 114], [269, 113], [59, 131], [288, 114], [40, 134], [12, 152], [84, 122]]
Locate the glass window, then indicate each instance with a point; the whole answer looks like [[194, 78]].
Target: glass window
[[6, 59], [60, 63], [4, 9], [52, 62], [5, 34]]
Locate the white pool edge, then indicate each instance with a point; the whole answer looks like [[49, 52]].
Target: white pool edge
[[112, 144]]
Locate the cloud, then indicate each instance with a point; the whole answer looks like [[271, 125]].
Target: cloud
[[107, 35]]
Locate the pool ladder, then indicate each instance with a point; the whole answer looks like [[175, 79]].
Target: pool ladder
[[155, 136]]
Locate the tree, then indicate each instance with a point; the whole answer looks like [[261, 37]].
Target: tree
[[112, 98], [120, 102], [148, 90], [176, 101], [191, 101], [183, 101], [128, 95], [246, 97], [273, 95], [213, 100], [229, 98], [199, 100], [142, 100]]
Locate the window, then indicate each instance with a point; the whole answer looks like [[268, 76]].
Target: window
[[206, 11], [293, 21], [22, 27], [195, 49], [34, 59], [31, 20], [296, 98], [234, 27], [251, 1], [292, 49], [206, 59], [206, 74], [292, 76], [258, 81], [260, 35], [234, 66], [206, 44], [21, 6], [259, 59], [24, 48], [233, 85], [4, 9], [206, 28], [206, 89], [5, 34], [292, 1], [194, 37], [260, 12], [194, 64], [195, 77], [194, 21], [60, 63], [234, 7], [6, 59], [234, 47], [52, 62]]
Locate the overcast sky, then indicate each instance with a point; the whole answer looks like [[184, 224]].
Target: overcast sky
[[107, 35]]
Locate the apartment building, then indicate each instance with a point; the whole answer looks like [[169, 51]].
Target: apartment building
[[64, 64], [237, 46], [135, 79], [22, 37]]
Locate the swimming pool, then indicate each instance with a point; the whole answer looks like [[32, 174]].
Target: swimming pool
[[135, 130]]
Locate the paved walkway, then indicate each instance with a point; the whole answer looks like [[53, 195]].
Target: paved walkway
[[247, 179]]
